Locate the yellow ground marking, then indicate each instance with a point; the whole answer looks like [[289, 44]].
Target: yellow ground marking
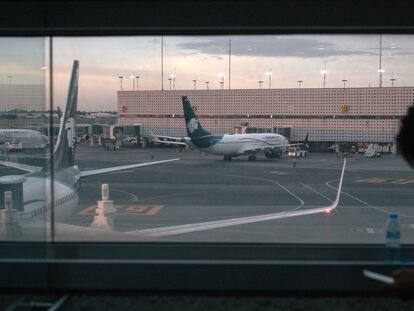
[[127, 209], [135, 208], [88, 210], [153, 210], [382, 180]]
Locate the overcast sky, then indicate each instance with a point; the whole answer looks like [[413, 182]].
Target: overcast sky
[[290, 58]]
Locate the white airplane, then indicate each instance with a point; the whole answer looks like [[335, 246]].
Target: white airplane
[[40, 191], [22, 139], [171, 141], [233, 145]]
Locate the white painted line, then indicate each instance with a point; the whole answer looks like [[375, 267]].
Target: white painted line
[[370, 230], [134, 197], [317, 192], [366, 203], [195, 227], [277, 172]]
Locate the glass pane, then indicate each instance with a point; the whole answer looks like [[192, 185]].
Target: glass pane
[[261, 141], [24, 139]]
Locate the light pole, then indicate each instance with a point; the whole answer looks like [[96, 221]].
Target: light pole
[[324, 72], [207, 82], [269, 75], [133, 80], [392, 81], [344, 81], [300, 83], [380, 72], [10, 78], [221, 76], [195, 82], [260, 84], [172, 76], [137, 82], [120, 79], [170, 79]]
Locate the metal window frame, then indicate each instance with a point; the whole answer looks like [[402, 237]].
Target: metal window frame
[[160, 266]]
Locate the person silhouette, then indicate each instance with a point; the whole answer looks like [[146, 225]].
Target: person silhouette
[[404, 277]]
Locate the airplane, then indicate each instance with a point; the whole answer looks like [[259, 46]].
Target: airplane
[[17, 139], [171, 141], [40, 189], [233, 145]]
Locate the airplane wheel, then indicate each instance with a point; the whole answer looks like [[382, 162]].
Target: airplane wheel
[[227, 158], [251, 158]]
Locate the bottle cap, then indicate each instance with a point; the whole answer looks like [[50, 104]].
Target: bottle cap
[[393, 216]]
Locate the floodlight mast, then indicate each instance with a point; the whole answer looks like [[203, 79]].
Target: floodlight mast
[[120, 79], [195, 82], [172, 76], [269, 75], [133, 80], [380, 70], [221, 76], [324, 72]]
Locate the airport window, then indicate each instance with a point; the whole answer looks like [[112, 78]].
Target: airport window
[[201, 197]]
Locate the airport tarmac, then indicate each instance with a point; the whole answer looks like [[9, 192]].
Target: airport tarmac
[[200, 191], [202, 198]]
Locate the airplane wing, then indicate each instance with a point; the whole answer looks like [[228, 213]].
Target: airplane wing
[[23, 167], [122, 167]]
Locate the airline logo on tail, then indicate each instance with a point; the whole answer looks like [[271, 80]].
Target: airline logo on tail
[[70, 132], [192, 125]]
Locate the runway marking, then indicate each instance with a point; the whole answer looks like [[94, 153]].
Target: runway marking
[[277, 173], [268, 180], [127, 209], [385, 211], [88, 210], [322, 195], [317, 192], [370, 230], [134, 197], [202, 226], [383, 180]]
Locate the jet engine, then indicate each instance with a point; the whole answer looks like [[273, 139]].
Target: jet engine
[[273, 153]]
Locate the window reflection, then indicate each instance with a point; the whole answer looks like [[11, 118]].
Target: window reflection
[[24, 140], [216, 139]]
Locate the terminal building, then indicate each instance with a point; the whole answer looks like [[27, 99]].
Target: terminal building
[[365, 115]]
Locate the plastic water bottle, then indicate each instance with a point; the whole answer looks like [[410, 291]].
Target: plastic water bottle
[[393, 236]]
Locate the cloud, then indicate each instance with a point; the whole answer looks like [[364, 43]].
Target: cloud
[[272, 46]]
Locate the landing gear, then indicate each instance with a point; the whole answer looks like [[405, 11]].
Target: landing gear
[[251, 158], [227, 158]]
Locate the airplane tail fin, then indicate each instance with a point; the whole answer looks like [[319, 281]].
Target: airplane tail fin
[[194, 128], [64, 152]]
